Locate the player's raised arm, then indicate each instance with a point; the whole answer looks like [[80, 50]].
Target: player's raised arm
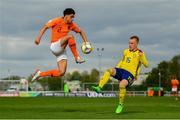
[[76, 29], [83, 35], [143, 59], [38, 38]]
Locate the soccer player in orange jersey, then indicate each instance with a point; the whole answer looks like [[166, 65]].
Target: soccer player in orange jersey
[[60, 38], [174, 84]]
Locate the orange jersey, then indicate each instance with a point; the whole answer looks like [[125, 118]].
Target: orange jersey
[[174, 83], [60, 29]]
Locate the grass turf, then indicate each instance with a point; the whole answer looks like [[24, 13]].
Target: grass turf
[[104, 108]]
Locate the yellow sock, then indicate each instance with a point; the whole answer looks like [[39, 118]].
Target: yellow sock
[[105, 78], [122, 93]]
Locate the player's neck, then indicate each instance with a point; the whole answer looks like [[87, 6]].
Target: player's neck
[[65, 20], [133, 49]]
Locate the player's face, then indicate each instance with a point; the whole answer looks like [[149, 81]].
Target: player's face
[[70, 18], [133, 44]]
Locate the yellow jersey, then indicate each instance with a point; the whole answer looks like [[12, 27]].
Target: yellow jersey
[[132, 61]]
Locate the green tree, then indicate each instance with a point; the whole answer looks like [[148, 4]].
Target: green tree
[[94, 76], [85, 77], [51, 83], [175, 66], [13, 77], [68, 76], [55, 83], [166, 70], [75, 75]]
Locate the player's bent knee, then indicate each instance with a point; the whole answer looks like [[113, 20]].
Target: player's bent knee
[[71, 41], [123, 83], [111, 71], [63, 72], [71, 36]]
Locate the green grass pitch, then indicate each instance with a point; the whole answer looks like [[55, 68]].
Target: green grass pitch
[[102, 108]]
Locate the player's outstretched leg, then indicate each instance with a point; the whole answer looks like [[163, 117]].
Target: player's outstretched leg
[[51, 73], [36, 75], [104, 80]]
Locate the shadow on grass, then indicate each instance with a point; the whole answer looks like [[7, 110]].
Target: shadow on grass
[[123, 113], [132, 112]]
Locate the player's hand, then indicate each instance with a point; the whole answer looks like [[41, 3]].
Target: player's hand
[[37, 41], [140, 52]]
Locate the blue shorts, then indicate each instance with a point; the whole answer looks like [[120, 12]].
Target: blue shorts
[[123, 74]]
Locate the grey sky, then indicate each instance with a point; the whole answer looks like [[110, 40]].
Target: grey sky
[[108, 24]]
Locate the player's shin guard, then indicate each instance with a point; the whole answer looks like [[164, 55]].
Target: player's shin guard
[[53, 73], [122, 93], [72, 45], [105, 78]]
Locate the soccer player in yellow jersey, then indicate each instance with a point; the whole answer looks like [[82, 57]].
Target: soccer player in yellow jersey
[[126, 70]]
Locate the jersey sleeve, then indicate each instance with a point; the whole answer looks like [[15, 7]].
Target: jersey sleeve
[[51, 23], [144, 60], [75, 28]]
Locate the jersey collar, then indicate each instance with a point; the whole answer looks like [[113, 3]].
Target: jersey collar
[[133, 50]]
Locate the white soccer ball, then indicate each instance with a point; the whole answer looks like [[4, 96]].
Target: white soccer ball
[[86, 48]]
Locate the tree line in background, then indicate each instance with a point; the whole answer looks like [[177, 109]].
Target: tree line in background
[[163, 72]]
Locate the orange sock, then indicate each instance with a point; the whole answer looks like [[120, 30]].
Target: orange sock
[[53, 73], [72, 45]]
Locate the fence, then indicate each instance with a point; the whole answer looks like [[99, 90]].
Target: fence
[[72, 94]]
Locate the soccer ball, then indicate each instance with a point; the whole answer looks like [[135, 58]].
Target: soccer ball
[[86, 48]]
